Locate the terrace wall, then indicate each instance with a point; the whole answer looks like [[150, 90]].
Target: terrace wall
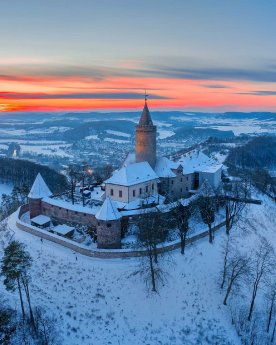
[[67, 215], [101, 253]]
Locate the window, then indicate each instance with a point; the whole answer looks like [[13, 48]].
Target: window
[[108, 225], [187, 178], [152, 187], [181, 190], [111, 192], [133, 192], [172, 181], [147, 189], [187, 189], [140, 191], [181, 179], [120, 194]]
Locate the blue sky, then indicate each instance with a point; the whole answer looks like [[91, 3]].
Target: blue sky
[[217, 41]]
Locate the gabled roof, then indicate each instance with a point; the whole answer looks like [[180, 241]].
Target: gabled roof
[[145, 119], [108, 211], [39, 188], [164, 167], [197, 161], [133, 174]]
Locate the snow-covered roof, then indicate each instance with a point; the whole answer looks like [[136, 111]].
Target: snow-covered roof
[[108, 211], [63, 229], [97, 194], [40, 220], [164, 166], [39, 188], [133, 174], [197, 161], [130, 159]]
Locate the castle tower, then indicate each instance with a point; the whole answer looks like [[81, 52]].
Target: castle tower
[[109, 226], [38, 191], [146, 138]]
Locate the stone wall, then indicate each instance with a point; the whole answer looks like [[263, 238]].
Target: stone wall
[[66, 215], [102, 253], [35, 207]]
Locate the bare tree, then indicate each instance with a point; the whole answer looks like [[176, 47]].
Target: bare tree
[[151, 233], [237, 269], [181, 215], [207, 207], [72, 173], [271, 299], [261, 267], [226, 252], [235, 196]]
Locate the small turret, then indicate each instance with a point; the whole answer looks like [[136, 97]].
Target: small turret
[[109, 226], [38, 191]]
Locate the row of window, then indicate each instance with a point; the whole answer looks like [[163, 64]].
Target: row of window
[[133, 192]]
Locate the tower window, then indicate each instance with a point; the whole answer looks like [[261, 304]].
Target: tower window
[[152, 187], [108, 225], [172, 181], [140, 191], [111, 192], [120, 194], [181, 179], [187, 178], [147, 189], [133, 192]]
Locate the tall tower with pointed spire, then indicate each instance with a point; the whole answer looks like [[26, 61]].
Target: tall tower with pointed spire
[[146, 138]]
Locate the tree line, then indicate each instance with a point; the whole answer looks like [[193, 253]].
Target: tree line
[[21, 172]]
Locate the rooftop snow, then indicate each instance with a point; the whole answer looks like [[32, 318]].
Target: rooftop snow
[[40, 220], [108, 211], [133, 174], [164, 166], [63, 229], [39, 188], [196, 161]]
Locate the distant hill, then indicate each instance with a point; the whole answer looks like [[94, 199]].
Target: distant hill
[[21, 172], [88, 128]]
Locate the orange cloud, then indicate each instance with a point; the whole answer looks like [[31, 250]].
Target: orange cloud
[[176, 93]]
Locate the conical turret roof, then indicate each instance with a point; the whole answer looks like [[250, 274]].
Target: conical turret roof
[[145, 119], [39, 188], [108, 211]]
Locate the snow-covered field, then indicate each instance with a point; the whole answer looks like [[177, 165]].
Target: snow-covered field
[[106, 301]]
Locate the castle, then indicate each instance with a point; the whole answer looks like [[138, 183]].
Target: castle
[[144, 180]]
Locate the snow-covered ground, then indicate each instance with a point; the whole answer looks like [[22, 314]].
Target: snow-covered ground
[[106, 301], [5, 189]]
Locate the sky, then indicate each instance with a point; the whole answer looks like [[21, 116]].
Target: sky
[[193, 55]]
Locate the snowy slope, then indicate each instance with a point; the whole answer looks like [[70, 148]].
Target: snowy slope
[[106, 302], [5, 189]]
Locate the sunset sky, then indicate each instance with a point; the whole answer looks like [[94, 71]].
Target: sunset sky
[[196, 55]]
